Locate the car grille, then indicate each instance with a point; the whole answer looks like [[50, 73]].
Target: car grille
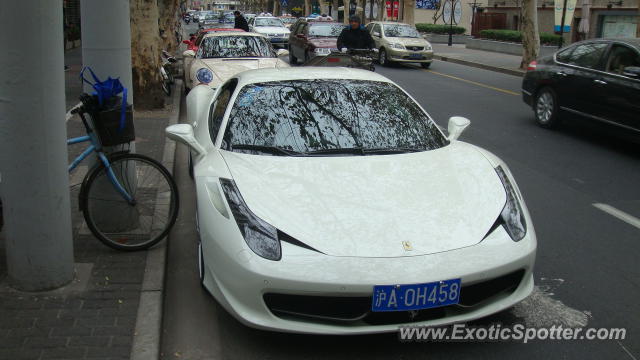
[[354, 310], [275, 35], [415, 48]]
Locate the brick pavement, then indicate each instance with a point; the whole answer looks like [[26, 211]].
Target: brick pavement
[[93, 318]]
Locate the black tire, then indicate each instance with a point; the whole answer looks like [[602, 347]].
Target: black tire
[[151, 182], [190, 160], [170, 76], [383, 59], [200, 263], [545, 108], [292, 59], [166, 87], [425, 65]]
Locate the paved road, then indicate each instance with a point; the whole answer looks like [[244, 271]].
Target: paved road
[[586, 270]]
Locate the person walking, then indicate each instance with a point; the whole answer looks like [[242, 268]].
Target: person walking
[[240, 22]]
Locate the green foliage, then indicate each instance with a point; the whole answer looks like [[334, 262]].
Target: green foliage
[[516, 36], [439, 29]]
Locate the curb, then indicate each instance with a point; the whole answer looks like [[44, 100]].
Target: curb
[[147, 333], [502, 70]]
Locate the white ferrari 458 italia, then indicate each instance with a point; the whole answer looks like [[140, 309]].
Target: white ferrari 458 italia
[[328, 201]]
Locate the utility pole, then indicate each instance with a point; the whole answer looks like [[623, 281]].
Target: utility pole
[[33, 152], [564, 14]]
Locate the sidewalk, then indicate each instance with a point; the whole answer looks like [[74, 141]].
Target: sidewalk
[[97, 315], [499, 62]]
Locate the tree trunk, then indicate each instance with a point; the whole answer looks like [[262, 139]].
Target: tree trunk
[[169, 20], [307, 7], [408, 12], [530, 35], [638, 25], [346, 6], [334, 10], [381, 9], [145, 55]]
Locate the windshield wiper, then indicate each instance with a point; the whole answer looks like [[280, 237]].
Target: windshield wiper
[[268, 149], [353, 150], [394, 150]]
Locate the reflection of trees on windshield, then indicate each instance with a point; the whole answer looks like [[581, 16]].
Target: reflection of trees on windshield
[[235, 46], [310, 115], [400, 31], [326, 30], [269, 22]]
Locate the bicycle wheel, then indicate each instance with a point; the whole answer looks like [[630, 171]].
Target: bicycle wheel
[[130, 226]]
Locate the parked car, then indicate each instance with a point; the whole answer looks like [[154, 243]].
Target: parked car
[[208, 21], [310, 38], [595, 79], [272, 28], [398, 42], [194, 45], [330, 202], [223, 54]]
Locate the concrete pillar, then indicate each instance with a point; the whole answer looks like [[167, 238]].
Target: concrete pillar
[[106, 40], [33, 152]]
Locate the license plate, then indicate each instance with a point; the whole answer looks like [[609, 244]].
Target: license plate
[[415, 56], [415, 296]]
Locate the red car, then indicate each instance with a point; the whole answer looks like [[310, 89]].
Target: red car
[[193, 45], [311, 38]]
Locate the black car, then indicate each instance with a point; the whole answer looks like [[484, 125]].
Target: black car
[[596, 79]]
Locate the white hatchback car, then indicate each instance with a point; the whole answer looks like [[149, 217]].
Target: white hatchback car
[[328, 201]]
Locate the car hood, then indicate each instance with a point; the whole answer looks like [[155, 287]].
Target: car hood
[[271, 30], [225, 68], [408, 41], [367, 206], [324, 42]]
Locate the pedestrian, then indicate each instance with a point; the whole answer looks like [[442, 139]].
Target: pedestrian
[[355, 36], [240, 22]]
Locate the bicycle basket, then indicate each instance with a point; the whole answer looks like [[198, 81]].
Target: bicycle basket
[[108, 126]]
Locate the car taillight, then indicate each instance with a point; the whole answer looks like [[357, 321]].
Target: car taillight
[[532, 66]]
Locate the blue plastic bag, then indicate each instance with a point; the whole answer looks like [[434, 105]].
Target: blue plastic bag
[[107, 89]]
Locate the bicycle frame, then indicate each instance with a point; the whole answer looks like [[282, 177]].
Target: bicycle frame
[[97, 148]]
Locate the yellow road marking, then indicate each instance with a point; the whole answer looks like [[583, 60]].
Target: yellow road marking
[[474, 83]]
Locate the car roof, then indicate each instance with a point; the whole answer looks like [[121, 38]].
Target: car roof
[[388, 23], [231, 33], [634, 42], [316, 22], [306, 73], [222, 29]]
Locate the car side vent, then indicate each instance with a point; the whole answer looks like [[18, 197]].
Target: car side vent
[[282, 236], [499, 222]]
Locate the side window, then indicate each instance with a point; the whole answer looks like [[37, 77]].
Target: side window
[[376, 28], [564, 55], [588, 55], [369, 27], [621, 57], [216, 114]]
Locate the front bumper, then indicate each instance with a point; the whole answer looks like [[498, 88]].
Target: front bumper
[[425, 56], [239, 280]]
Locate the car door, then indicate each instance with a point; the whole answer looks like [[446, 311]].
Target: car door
[[622, 89], [376, 34], [578, 89]]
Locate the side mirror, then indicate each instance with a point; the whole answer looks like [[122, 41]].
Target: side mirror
[[631, 71], [376, 34], [186, 42], [189, 53], [183, 133], [282, 52], [456, 126]]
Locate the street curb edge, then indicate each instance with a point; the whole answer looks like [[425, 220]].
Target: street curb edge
[[148, 328], [498, 69]]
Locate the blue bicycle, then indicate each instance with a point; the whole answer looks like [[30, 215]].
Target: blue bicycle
[[129, 201]]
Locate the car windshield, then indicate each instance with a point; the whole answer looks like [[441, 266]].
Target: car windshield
[[338, 116], [400, 31], [211, 17], [269, 22], [288, 20], [326, 30], [234, 47]]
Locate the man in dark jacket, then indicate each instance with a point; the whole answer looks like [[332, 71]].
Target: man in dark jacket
[[240, 21], [355, 36]]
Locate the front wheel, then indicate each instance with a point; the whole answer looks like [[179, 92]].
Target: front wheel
[[130, 225], [382, 58], [546, 108], [425, 65], [166, 87]]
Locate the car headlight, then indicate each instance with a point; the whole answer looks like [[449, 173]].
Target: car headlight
[[322, 51], [428, 47], [512, 216], [260, 236], [397, 46], [204, 75]]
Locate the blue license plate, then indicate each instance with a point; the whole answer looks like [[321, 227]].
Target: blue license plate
[[415, 296], [415, 56]]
